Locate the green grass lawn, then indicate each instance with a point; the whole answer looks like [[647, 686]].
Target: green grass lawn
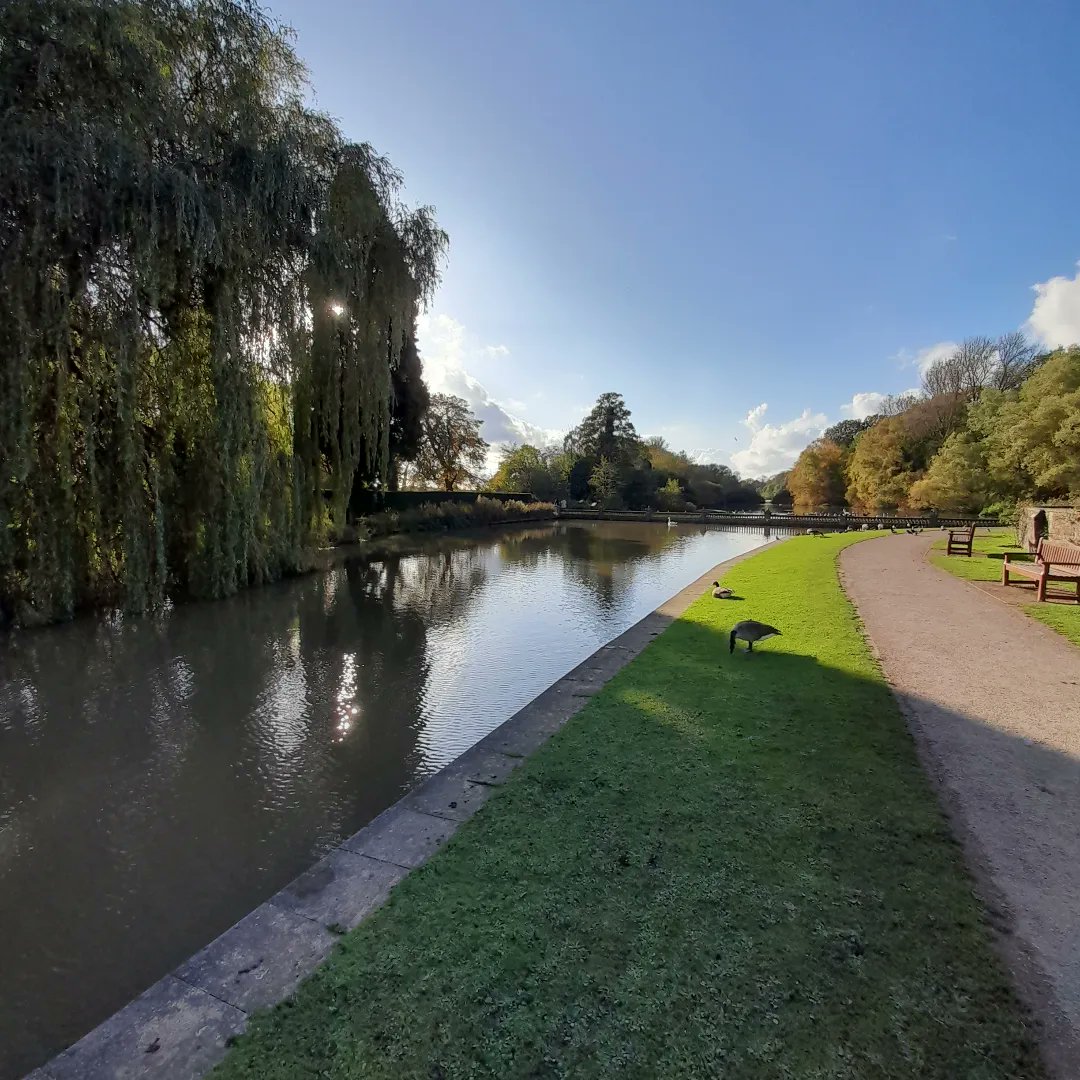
[[985, 562], [985, 565], [724, 866]]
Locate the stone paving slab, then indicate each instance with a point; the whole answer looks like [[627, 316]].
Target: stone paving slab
[[171, 1031], [483, 765], [402, 836], [449, 795], [340, 889], [529, 729], [260, 960]]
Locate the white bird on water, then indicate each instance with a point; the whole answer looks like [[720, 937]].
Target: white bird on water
[[671, 524]]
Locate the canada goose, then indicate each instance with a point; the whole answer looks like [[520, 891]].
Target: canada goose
[[893, 530], [750, 631], [814, 532], [721, 594]]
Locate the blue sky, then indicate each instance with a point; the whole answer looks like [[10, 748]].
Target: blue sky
[[714, 206]]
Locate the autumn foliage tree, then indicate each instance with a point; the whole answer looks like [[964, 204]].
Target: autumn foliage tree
[[1033, 435], [452, 450], [957, 480], [816, 480], [995, 422], [881, 469], [846, 432]]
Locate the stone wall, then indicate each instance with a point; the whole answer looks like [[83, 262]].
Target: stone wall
[[1062, 523]]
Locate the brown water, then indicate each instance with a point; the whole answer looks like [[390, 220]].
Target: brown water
[[161, 776]]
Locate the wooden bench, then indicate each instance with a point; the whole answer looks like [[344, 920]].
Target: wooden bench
[[960, 541], [1055, 560]]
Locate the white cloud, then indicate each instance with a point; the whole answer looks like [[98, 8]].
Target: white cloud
[[863, 405], [707, 455], [774, 447], [1055, 318], [753, 417], [441, 340], [445, 349], [870, 402], [923, 358]]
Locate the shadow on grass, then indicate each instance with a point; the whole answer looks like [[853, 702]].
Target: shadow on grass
[[724, 865]]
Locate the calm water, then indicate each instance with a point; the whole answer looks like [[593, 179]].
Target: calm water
[[159, 777]]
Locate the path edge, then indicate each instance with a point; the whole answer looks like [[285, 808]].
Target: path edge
[[184, 1024]]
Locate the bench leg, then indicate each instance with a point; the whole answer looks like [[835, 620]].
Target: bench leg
[[1040, 592], [1004, 573]]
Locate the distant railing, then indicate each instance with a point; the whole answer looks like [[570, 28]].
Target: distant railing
[[783, 521]]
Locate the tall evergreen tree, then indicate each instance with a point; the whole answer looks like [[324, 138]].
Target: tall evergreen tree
[[606, 432]]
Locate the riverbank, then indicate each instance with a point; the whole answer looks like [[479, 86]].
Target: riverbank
[[289, 747], [724, 864], [1060, 612], [446, 516]]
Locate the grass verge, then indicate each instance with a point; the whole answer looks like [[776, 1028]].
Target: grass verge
[[985, 565], [724, 866]]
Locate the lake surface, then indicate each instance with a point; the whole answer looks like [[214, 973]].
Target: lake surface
[[161, 776]]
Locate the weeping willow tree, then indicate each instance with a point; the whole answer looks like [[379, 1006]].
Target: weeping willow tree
[[205, 292]]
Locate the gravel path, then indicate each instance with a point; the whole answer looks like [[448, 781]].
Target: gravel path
[[993, 699]]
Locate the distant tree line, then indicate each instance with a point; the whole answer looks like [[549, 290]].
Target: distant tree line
[[995, 422], [604, 460]]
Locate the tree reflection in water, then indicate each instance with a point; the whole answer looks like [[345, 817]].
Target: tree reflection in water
[[160, 776]]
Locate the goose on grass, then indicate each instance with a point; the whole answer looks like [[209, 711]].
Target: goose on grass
[[750, 631]]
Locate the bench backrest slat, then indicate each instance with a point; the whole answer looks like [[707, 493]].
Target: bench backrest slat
[[1060, 552]]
